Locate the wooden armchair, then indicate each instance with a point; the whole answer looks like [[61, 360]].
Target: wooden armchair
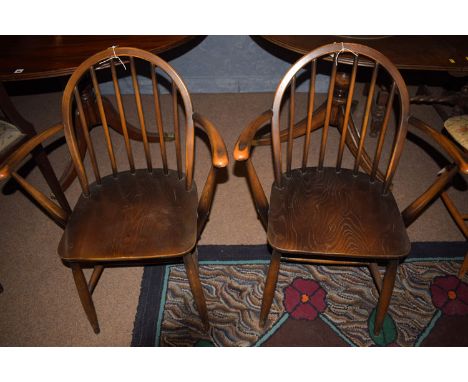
[[442, 182], [131, 216], [330, 214]]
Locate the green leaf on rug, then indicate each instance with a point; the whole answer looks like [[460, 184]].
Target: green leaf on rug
[[388, 333]]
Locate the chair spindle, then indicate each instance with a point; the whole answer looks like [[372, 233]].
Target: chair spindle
[[344, 129], [85, 127], [141, 117], [365, 121], [383, 131], [292, 106], [123, 120], [310, 112], [110, 149], [159, 121], [326, 124], [175, 109]]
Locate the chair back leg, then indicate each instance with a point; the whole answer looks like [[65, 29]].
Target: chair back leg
[[85, 296]]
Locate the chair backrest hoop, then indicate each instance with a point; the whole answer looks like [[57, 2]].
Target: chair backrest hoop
[[331, 50], [105, 55]]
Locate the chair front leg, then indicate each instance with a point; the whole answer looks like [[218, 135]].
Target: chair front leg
[[191, 267], [385, 295], [85, 296], [270, 287]]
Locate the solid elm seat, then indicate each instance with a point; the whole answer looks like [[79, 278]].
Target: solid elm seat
[[330, 213], [132, 217]]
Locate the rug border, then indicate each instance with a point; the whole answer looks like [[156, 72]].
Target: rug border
[[146, 324]]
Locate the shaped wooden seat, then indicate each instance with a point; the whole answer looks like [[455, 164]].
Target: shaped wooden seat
[[130, 216], [332, 215], [335, 214], [136, 216]]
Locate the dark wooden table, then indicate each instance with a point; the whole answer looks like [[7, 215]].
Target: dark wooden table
[[444, 53], [52, 56], [416, 53], [38, 57]]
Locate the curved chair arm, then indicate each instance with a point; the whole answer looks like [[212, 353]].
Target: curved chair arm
[[16, 158], [444, 142], [419, 205], [218, 147], [12, 162], [244, 142]]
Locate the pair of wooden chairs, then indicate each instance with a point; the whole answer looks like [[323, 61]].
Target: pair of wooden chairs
[[322, 213]]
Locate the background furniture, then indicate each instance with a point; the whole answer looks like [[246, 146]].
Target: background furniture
[[324, 214], [415, 53], [444, 179], [38, 57], [135, 216]]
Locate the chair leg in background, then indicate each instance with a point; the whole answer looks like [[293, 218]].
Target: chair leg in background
[[385, 295], [191, 267], [85, 296], [464, 267], [270, 287]]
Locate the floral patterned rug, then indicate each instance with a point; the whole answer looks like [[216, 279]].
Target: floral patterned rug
[[313, 305]]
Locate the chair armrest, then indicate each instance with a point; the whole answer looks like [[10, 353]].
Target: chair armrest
[[10, 164], [244, 142], [456, 155], [218, 148]]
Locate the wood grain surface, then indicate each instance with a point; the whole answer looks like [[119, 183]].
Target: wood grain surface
[[132, 217], [326, 213]]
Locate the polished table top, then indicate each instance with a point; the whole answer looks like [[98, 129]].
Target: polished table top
[[33, 57], [444, 53]]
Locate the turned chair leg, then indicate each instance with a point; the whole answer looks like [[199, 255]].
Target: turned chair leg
[[464, 267], [270, 286], [385, 295], [85, 296], [191, 267]]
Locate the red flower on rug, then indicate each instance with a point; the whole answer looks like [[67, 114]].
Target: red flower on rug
[[450, 295], [304, 299]]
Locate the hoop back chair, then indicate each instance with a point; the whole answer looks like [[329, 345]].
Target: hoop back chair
[[458, 156], [131, 216], [324, 214]]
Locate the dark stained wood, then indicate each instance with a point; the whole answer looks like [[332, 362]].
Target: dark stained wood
[[85, 296], [191, 268], [38, 153], [330, 213], [123, 120], [324, 214], [270, 286], [442, 181], [132, 217], [53, 56], [406, 52], [385, 295], [310, 113], [159, 121], [365, 119]]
